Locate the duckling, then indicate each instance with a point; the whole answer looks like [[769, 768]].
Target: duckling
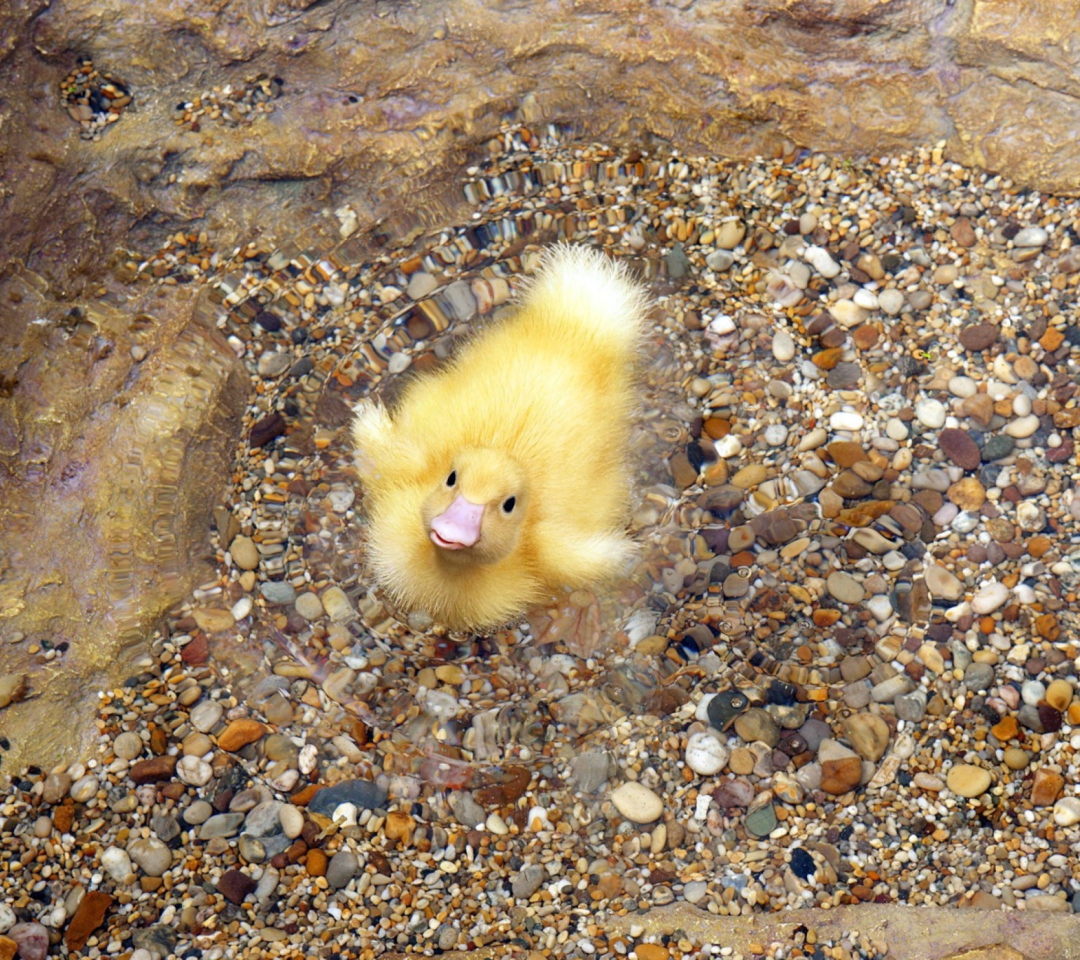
[[504, 476]]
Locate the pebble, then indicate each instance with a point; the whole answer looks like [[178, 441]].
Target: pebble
[[343, 866], [845, 588], [706, 753], [968, 781], [930, 413], [637, 802], [151, 856], [868, 735], [116, 863], [1067, 811], [989, 597]]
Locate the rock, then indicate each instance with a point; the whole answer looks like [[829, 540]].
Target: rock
[[151, 856], [943, 584], [1022, 427], [706, 753], [637, 802], [222, 825], [1067, 811], [89, 915], [235, 886], [719, 261], [783, 346], [820, 259], [116, 863], [760, 822], [978, 336], [157, 941], [891, 301], [730, 234], [958, 446], [968, 781], [364, 794], [847, 313], [868, 735], [755, 725], [342, 868], [1059, 694], [337, 605], [206, 714], [421, 284], [845, 588], [930, 413], [239, 733], [527, 881], [591, 770], [32, 939], [911, 706], [841, 768], [1046, 787], [963, 232], [1031, 237], [683, 472], [989, 597], [978, 676]]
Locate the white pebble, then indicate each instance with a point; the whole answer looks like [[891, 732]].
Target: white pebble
[[729, 446], [1022, 427], [1067, 811], [846, 420], [866, 299], [241, 608], [847, 313], [194, 771], [1021, 405], [1031, 237], [930, 413], [706, 753], [116, 863], [989, 597], [896, 429], [776, 435], [345, 814], [821, 261], [891, 301], [963, 387], [722, 325], [637, 802], [783, 346]]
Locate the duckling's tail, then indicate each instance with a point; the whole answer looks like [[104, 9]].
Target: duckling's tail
[[589, 296]]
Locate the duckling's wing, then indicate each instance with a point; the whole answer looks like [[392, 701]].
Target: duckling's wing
[[593, 558]]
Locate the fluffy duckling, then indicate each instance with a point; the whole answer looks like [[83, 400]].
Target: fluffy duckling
[[504, 476]]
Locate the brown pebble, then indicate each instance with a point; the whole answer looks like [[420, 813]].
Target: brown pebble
[[316, 863], [963, 232], [239, 733], [153, 770], [1046, 787], [978, 336], [89, 915], [958, 446], [235, 886]]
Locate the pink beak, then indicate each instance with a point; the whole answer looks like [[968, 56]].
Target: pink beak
[[459, 526]]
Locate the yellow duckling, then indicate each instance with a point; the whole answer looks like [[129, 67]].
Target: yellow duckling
[[504, 476]]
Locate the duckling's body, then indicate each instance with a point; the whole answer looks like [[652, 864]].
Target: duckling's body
[[504, 476]]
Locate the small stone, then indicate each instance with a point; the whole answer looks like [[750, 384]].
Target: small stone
[[363, 794], [958, 446], [968, 781], [116, 863], [719, 261], [930, 413], [755, 725], [683, 473], [978, 676], [235, 886], [868, 735], [151, 855], [967, 493], [222, 825], [337, 605], [761, 822], [978, 336], [1022, 427], [891, 301], [421, 285], [89, 915], [783, 346], [730, 234], [847, 313], [942, 584], [527, 881], [32, 940], [841, 768], [342, 868], [637, 802], [1067, 811], [706, 753], [239, 733], [963, 232], [1031, 237], [1046, 787], [244, 553], [309, 606], [989, 597], [1059, 694], [845, 588], [1016, 758], [84, 788]]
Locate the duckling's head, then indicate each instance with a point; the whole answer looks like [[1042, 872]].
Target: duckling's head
[[474, 514]]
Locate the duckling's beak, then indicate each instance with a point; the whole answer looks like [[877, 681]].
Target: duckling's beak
[[458, 526]]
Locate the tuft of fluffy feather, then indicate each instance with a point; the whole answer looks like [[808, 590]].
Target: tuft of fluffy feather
[[527, 427]]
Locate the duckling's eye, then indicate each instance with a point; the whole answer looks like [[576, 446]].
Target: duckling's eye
[[508, 504], [452, 479]]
